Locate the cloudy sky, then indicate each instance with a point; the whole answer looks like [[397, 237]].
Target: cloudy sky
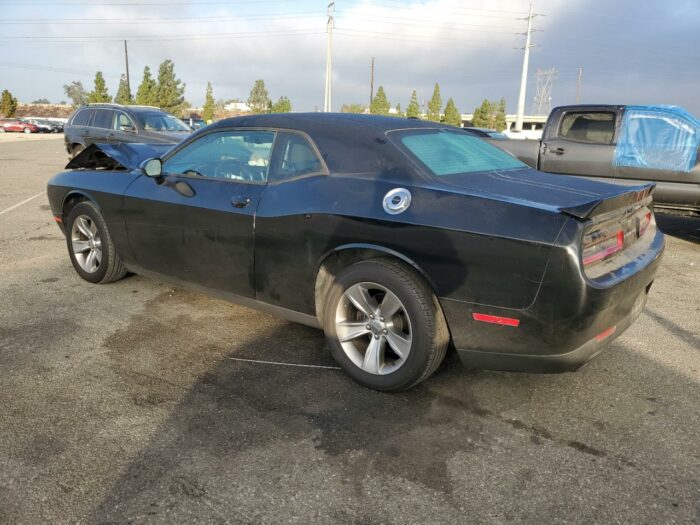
[[631, 51]]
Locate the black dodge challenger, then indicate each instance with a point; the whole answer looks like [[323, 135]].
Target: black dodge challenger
[[397, 237]]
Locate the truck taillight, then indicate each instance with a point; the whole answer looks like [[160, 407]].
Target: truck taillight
[[602, 243]]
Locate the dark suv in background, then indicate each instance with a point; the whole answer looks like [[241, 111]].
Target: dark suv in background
[[113, 124]]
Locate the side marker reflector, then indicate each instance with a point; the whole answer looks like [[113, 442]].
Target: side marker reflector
[[58, 219], [495, 319], [605, 334]]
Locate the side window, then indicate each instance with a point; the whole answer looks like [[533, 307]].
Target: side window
[[294, 156], [234, 155], [122, 120], [592, 127], [82, 117], [103, 118]]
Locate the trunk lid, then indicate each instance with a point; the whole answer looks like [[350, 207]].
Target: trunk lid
[[576, 196]]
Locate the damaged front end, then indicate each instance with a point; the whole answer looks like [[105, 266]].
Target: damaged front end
[[124, 156]]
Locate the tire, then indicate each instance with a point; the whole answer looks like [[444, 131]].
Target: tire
[[27, 130], [106, 267], [2, 130], [418, 325], [76, 150]]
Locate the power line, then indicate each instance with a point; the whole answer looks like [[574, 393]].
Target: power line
[[173, 20]]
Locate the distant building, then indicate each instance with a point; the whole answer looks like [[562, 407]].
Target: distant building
[[237, 107]]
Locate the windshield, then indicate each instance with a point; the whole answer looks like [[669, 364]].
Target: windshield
[[448, 153], [156, 121]]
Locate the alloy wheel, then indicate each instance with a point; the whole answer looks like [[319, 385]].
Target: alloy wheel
[[86, 243], [373, 328]]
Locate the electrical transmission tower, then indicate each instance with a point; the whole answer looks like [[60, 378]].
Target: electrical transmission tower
[[542, 102]]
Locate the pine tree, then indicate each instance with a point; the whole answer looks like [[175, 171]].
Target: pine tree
[[123, 93], [283, 105], [435, 104], [99, 93], [170, 90], [452, 116], [501, 123], [259, 99], [147, 94], [8, 104], [209, 104], [482, 115], [380, 105], [398, 113], [413, 109]]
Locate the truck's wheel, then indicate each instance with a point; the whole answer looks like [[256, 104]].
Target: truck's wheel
[[76, 150], [90, 246], [384, 325]]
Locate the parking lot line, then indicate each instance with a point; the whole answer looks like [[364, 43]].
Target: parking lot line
[[25, 201], [283, 364]]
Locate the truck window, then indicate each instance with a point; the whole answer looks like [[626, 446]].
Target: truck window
[[592, 127]]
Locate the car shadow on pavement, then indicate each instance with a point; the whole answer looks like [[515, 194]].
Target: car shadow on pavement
[[250, 442], [680, 226]]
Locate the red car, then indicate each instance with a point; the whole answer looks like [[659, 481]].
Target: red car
[[18, 125]]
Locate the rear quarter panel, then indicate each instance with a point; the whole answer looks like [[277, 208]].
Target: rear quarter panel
[[470, 248]]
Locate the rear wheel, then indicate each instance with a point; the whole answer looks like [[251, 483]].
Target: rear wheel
[[90, 246], [2, 130], [27, 130], [384, 325]]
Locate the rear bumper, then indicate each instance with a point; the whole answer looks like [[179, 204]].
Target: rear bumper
[[553, 363], [570, 322]]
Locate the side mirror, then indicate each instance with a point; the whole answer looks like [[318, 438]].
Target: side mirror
[[153, 168], [127, 128]]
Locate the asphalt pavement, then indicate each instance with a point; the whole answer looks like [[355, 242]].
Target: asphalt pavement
[[139, 403]]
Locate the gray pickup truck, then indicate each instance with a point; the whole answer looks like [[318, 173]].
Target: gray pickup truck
[[625, 144]]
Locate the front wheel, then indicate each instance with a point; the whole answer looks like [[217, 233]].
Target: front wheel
[[27, 130], [384, 325], [90, 246]]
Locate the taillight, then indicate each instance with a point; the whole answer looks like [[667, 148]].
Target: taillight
[[644, 223], [602, 243]]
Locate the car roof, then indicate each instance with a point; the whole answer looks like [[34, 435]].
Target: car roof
[[316, 122]]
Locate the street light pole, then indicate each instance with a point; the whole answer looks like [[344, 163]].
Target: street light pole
[[523, 78], [329, 58]]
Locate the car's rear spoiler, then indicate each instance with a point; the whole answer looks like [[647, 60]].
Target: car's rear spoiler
[[628, 196], [124, 156]]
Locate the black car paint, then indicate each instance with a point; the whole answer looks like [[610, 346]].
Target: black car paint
[[559, 155], [494, 242]]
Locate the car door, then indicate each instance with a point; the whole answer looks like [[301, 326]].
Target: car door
[[196, 222], [101, 126], [584, 144], [79, 129]]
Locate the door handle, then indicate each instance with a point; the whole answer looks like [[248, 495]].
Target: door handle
[[240, 201], [558, 151]]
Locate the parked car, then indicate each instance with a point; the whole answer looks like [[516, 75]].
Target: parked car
[[45, 126], [395, 236], [624, 144], [486, 132], [18, 125], [195, 123], [114, 124]]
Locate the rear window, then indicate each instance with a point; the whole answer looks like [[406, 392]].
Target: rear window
[[449, 153], [82, 117], [595, 128]]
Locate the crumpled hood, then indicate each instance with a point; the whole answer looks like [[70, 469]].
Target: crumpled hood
[[127, 156], [573, 195]]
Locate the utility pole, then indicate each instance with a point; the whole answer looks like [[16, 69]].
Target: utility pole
[[329, 58], [523, 78], [126, 57], [578, 85], [371, 83]]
